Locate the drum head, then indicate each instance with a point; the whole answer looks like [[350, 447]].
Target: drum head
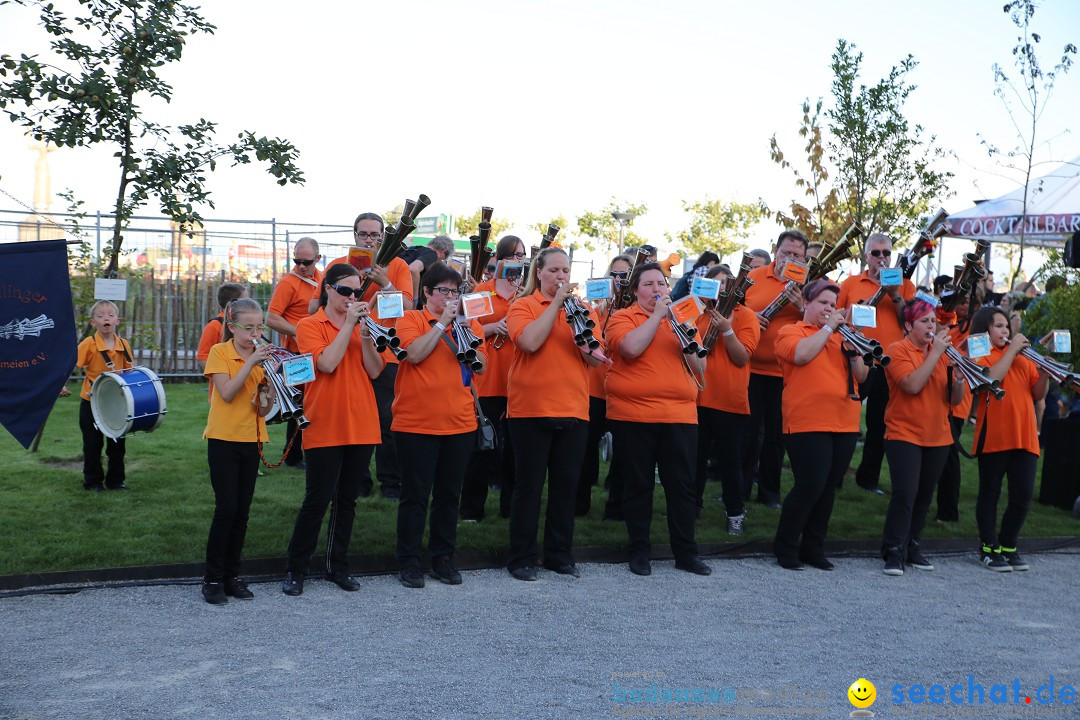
[[112, 405]]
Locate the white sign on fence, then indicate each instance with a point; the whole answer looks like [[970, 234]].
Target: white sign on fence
[[107, 289]]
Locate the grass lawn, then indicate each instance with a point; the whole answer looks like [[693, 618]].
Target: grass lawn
[[51, 523]]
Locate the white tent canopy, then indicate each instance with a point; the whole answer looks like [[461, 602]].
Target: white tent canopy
[[1053, 212]]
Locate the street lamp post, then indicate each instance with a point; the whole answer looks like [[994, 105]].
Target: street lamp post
[[624, 219]]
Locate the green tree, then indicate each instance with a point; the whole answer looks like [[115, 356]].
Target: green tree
[[113, 51], [603, 228], [823, 215], [1025, 98], [467, 225], [884, 163], [718, 225]]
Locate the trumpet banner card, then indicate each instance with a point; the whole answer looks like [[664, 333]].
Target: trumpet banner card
[[37, 333]]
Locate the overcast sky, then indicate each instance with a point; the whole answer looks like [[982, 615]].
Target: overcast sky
[[542, 108]]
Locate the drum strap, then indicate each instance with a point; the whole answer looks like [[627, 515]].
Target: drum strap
[[124, 349], [309, 281]]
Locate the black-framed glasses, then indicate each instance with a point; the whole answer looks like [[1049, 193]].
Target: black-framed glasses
[[490, 268], [369, 235], [305, 263], [880, 253], [346, 291], [447, 292], [518, 255]]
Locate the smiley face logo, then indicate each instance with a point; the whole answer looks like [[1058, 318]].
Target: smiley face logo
[[862, 693]]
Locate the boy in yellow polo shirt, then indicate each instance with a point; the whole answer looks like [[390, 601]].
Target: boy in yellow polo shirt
[[104, 351], [234, 430]]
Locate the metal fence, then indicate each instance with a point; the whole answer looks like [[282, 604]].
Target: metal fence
[[173, 274]]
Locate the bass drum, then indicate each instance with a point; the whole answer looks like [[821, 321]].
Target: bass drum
[[127, 401]]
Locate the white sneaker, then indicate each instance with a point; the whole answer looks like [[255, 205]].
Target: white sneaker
[[735, 524]]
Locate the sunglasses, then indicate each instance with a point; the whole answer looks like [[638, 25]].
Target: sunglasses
[[346, 291], [305, 263], [880, 253], [490, 268]]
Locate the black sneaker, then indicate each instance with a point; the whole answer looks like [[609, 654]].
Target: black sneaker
[[1013, 558], [411, 577], [991, 559], [236, 588], [894, 566], [214, 593], [442, 569], [293, 584], [918, 561]]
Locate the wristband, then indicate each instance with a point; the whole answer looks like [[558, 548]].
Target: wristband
[[827, 328], [729, 332], [438, 324]]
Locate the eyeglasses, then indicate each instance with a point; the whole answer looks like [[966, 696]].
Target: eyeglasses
[[518, 255], [369, 235], [305, 263], [490, 268], [880, 253], [346, 291], [250, 328], [447, 292], [620, 274]]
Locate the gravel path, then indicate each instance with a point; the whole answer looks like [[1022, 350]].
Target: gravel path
[[558, 648]]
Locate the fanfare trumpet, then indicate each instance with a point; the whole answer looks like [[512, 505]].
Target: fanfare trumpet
[[733, 294], [393, 242], [623, 298], [869, 349], [466, 342], [976, 376], [964, 278], [479, 252], [831, 256], [1059, 372], [934, 228], [290, 399], [384, 338]]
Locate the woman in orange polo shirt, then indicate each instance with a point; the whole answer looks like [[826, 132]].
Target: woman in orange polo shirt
[[619, 271], [434, 426], [340, 404], [1006, 440], [548, 415], [234, 430], [494, 466], [724, 404], [652, 412], [948, 492], [917, 431], [821, 423]]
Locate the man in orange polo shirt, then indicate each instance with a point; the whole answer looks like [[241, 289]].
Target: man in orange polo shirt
[[877, 254], [367, 233], [763, 444], [288, 306]]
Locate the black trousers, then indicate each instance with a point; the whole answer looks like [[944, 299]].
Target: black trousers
[[1019, 466], [333, 477], [295, 453], [92, 443], [671, 448], [818, 462], [552, 447], [234, 466], [432, 466], [876, 392], [387, 467], [764, 439], [913, 471], [948, 491], [490, 467], [590, 466], [722, 433]]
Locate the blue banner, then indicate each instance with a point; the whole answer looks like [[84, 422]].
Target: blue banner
[[37, 333]]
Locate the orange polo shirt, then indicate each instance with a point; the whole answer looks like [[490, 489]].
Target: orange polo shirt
[[290, 301], [429, 397], [400, 277], [237, 420], [921, 419], [212, 333], [767, 286], [598, 380], [725, 384], [492, 383], [963, 408], [816, 394], [341, 404], [554, 380], [89, 358], [654, 387], [860, 288], [1012, 419]]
